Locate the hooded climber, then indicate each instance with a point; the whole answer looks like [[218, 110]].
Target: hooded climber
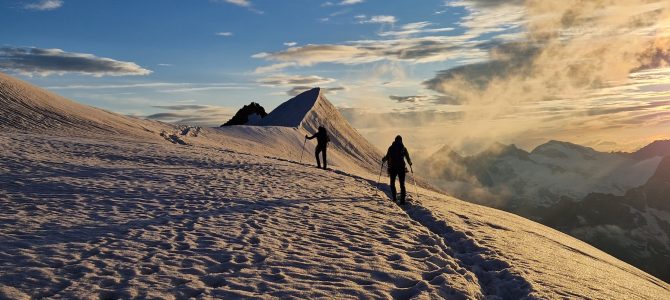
[[395, 156], [322, 140]]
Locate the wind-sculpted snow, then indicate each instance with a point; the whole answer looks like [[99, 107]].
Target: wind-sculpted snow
[[89, 218], [85, 217]]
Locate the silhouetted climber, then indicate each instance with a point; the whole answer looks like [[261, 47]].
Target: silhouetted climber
[[322, 140], [396, 155]]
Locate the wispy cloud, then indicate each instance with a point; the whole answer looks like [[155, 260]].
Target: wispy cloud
[[415, 29], [350, 2], [204, 88], [290, 44], [161, 87], [283, 80], [44, 5], [273, 67], [296, 90], [43, 62], [225, 33], [417, 50], [377, 19], [242, 3]]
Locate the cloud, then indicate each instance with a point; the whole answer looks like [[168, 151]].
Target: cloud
[[296, 90], [43, 62], [166, 65], [163, 87], [44, 5], [290, 44], [204, 88], [407, 99], [284, 80], [272, 68], [424, 99], [116, 86], [243, 3], [350, 2], [416, 50], [569, 48], [486, 17], [226, 33], [377, 20], [193, 114], [362, 118], [182, 107], [415, 28]]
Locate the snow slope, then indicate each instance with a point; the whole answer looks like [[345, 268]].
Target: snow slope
[[226, 215], [26, 107]]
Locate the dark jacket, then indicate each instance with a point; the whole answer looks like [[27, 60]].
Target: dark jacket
[[321, 136], [396, 155]]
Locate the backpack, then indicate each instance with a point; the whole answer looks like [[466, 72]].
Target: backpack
[[396, 156]]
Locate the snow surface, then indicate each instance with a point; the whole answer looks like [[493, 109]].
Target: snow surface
[[231, 213]]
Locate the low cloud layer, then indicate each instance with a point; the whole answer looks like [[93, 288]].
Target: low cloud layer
[[193, 114], [44, 62]]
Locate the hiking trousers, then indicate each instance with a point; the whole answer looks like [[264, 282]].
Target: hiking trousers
[[322, 149], [400, 173]]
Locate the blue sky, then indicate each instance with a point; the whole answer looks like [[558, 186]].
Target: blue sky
[[434, 67]]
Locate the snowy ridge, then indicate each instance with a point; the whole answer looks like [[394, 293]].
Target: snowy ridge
[[27, 108], [233, 214]]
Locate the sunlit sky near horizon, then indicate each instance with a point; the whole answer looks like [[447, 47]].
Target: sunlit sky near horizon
[[461, 73]]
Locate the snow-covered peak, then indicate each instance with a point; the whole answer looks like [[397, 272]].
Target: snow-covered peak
[[563, 150], [294, 111], [309, 110]]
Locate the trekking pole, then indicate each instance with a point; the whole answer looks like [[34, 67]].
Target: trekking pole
[[380, 178], [416, 190], [303, 150]]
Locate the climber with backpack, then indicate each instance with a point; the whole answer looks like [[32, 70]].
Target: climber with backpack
[[322, 140], [395, 156]]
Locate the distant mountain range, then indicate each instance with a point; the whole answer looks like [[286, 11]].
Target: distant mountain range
[[618, 202]]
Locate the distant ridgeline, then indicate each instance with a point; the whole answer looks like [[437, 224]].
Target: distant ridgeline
[[253, 110]]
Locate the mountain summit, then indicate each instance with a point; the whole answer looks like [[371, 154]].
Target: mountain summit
[[311, 109]]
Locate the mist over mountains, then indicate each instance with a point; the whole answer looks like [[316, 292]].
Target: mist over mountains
[[617, 202]]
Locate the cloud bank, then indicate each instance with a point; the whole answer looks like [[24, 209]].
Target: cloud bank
[[43, 62], [195, 114], [569, 48]]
